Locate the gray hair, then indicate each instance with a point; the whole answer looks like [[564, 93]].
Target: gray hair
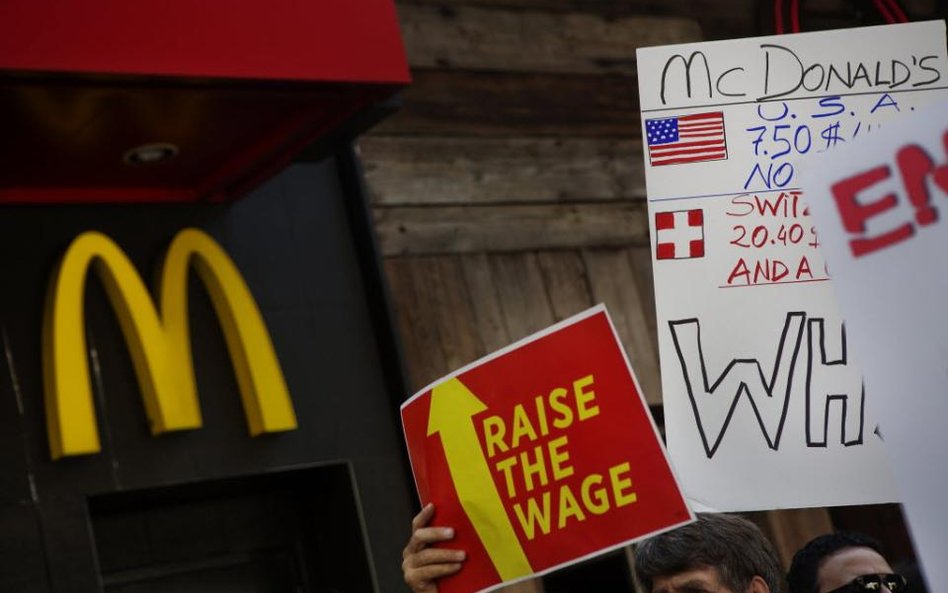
[[729, 543]]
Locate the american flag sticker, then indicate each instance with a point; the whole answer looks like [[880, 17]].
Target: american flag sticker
[[686, 139]]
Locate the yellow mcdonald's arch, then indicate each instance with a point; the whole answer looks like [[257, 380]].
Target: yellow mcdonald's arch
[[158, 340]]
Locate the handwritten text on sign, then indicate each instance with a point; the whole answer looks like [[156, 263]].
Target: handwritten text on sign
[[881, 206], [540, 455], [758, 385]]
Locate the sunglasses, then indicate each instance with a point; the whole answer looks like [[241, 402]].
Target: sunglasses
[[873, 583]]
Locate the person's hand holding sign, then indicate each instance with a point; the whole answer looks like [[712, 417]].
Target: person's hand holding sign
[[423, 565]]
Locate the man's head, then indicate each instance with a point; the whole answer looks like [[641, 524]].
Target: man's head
[[715, 554], [842, 561]]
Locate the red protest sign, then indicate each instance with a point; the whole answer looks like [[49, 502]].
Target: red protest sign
[[540, 455]]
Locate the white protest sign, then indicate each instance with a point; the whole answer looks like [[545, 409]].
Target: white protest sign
[[764, 407], [882, 210]]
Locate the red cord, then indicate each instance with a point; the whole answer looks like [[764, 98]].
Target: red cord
[[897, 11], [778, 16], [884, 11], [889, 9]]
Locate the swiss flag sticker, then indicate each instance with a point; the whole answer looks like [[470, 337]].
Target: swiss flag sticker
[[679, 234]]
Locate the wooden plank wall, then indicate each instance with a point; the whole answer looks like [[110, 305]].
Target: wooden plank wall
[[511, 184], [508, 191]]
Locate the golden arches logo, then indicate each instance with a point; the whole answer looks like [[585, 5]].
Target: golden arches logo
[[158, 340]]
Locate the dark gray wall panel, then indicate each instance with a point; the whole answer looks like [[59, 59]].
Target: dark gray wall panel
[[293, 241]]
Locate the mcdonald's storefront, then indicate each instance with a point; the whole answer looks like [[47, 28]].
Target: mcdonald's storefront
[[199, 380]]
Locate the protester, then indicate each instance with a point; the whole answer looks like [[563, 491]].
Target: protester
[[718, 553], [843, 562], [715, 554]]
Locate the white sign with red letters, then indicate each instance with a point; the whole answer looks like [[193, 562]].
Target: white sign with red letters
[[881, 207]]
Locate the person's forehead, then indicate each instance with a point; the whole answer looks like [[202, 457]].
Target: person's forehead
[[843, 566], [703, 578]]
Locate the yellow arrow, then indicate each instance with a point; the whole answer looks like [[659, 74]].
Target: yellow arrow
[[452, 407]]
